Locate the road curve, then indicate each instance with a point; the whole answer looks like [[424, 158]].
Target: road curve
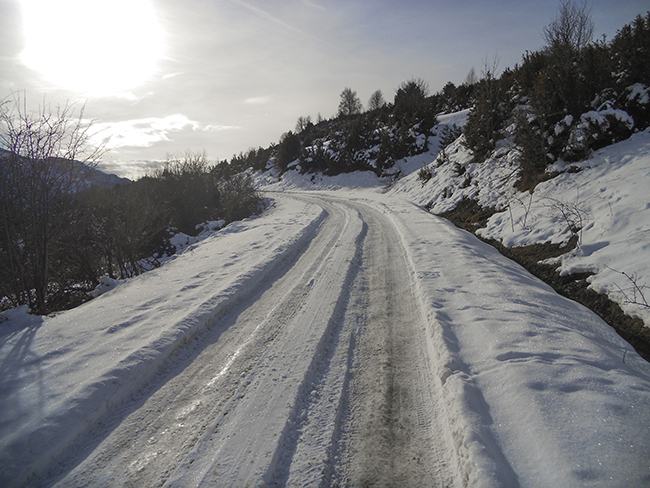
[[320, 376]]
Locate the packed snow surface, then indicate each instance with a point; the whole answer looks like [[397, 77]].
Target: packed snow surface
[[346, 337]]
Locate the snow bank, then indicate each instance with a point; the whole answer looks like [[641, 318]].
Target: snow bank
[[539, 391], [608, 201], [61, 374], [606, 205]]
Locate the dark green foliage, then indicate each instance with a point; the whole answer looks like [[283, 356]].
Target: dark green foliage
[[256, 159], [412, 105], [453, 98], [127, 224], [120, 232], [596, 130], [576, 98], [303, 123], [449, 134], [486, 118], [238, 198], [410, 98], [287, 150], [183, 187], [533, 147], [630, 51]]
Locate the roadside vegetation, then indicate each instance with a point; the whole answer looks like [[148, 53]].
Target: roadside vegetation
[[58, 236]]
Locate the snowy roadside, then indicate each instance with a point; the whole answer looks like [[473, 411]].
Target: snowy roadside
[[61, 373], [538, 390], [606, 203]]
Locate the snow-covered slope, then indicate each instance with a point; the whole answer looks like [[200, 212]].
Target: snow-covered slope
[[603, 200], [607, 200]]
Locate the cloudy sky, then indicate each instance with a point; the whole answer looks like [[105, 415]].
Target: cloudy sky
[[165, 76]]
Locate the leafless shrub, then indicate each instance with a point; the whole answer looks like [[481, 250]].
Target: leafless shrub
[[424, 175], [47, 156], [634, 294], [575, 214]]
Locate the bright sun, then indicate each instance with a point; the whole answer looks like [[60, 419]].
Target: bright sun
[[93, 46]]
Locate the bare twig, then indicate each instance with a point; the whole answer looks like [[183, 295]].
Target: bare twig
[[638, 297]]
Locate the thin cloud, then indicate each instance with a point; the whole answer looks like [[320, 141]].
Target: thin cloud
[[274, 19], [309, 3], [173, 75], [131, 97], [151, 130], [216, 128], [257, 100]]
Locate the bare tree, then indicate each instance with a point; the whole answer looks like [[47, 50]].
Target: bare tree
[[376, 101], [303, 123], [572, 29], [350, 103], [46, 156], [471, 77]]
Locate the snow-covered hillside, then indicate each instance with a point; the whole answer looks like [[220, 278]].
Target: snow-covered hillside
[[603, 200]]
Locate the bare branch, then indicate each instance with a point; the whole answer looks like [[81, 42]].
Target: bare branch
[[572, 28]]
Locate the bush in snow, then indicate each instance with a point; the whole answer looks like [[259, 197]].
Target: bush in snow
[[485, 120], [287, 150], [630, 51], [43, 163], [597, 129]]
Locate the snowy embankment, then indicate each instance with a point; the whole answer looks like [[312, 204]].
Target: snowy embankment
[[538, 390], [603, 200], [535, 389], [61, 373]]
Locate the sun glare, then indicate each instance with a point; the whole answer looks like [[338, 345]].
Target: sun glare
[[92, 46]]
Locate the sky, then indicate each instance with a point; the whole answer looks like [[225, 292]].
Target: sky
[[162, 77]]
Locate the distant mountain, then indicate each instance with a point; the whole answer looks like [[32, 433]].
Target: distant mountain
[[91, 176], [104, 180]]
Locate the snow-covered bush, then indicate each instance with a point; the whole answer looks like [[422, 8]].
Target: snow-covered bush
[[596, 129]]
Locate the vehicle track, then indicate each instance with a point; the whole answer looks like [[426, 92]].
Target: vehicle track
[[392, 435], [319, 378]]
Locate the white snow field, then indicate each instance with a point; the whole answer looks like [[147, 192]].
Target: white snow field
[[342, 338]]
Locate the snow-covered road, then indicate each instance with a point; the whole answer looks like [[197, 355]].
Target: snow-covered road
[[270, 396], [342, 339]]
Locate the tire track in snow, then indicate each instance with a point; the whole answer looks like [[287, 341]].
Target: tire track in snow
[[263, 423], [392, 434], [319, 403], [206, 380], [319, 379]]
